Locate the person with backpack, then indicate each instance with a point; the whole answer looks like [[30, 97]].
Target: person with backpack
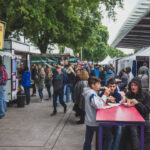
[[3, 82], [58, 86]]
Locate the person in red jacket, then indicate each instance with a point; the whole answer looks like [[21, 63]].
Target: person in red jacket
[[3, 82]]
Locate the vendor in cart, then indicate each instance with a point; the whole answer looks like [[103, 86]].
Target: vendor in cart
[[20, 72]]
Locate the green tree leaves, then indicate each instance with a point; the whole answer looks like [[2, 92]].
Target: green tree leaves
[[72, 23]]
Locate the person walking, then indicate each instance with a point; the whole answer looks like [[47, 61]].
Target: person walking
[[26, 83], [58, 79], [70, 83], [48, 81], [40, 82]]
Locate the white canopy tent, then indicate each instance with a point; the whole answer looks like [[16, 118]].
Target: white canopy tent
[[106, 61], [68, 51], [8, 54], [127, 61]]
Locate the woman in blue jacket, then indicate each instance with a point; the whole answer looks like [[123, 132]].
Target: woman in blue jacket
[[26, 83]]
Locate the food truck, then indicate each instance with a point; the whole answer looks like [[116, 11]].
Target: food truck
[[15, 56]]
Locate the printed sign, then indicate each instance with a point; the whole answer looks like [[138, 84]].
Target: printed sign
[[2, 29]]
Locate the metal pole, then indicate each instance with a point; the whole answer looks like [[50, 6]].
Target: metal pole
[[81, 54], [149, 73]]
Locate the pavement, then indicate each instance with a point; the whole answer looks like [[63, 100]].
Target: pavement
[[32, 128]]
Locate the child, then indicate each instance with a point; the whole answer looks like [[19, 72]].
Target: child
[[112, 134], [92, 103]]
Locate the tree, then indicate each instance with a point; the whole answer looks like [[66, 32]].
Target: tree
[[112, 52], [96, 45], [46, 22], [18, 14]]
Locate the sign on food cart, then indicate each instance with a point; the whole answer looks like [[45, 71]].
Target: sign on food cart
[[2, 31]]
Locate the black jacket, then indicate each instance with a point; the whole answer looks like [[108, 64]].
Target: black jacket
[[33, 74], [70, 78], [142, 97], [58, 80]]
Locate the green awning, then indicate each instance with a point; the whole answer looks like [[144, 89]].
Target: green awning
[[44, 61]]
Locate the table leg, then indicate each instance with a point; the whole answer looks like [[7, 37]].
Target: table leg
[[100, 137], [142, 137]]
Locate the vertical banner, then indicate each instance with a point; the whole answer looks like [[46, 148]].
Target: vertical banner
[[2, 31]]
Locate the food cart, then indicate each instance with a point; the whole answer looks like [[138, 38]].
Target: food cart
[[17, 56]]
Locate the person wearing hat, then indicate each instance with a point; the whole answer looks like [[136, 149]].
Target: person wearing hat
[[58, 79], [141, 101]]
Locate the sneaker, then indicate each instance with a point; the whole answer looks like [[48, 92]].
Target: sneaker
[[54, 113], [2, 117], [65, 109], [80, 122]]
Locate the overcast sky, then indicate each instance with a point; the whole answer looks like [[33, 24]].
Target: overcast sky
[[122, 15]]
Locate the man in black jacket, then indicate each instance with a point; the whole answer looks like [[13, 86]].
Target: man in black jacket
[[33, 77], [58, 79], [141, 100]]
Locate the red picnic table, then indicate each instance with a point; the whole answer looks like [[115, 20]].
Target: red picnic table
[[119, 116]]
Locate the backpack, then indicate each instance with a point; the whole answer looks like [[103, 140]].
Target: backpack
[[3, 77]]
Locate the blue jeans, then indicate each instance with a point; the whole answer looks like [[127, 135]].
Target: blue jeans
[[27, 92], [69, 89], [2, 100], [49, 91], [59, 94], [41, 93], [64, 92], [112, 135], [89, 136]]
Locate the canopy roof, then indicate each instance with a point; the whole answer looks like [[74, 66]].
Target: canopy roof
[[142, 52], [8, 54], [106, 60], [68, 51], [135, 32]]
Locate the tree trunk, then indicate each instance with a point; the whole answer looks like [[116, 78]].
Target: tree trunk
[[42, 47]]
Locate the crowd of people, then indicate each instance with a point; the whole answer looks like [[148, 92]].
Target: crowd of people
[[90, 87]]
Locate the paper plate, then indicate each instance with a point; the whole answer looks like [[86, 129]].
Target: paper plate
[[113, 104]]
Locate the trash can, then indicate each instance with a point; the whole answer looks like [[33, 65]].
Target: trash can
[[21, 100]]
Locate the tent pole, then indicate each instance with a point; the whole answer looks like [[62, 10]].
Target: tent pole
[[149, 73]]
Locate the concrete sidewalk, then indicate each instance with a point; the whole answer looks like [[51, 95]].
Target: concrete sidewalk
[[32, 128]]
